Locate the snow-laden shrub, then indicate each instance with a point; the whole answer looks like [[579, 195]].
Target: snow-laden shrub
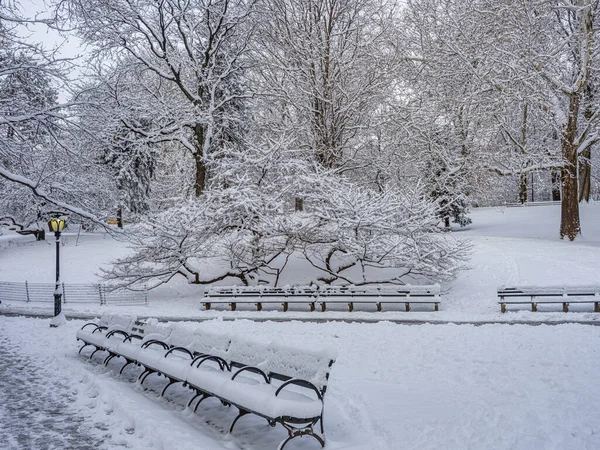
[[245, 228]]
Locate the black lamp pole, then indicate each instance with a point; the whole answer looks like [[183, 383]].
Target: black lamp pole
[[57, 289], [57, 225]]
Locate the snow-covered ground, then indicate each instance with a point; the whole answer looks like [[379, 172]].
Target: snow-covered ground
[[393, 386], [510, 246]]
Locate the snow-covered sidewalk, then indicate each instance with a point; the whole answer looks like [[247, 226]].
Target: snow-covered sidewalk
[[36, 414], [393, 386]]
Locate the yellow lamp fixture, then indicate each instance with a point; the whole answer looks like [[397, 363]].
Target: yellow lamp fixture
[[56, 225]]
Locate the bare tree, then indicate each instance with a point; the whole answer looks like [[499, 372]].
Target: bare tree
[[197, 46]]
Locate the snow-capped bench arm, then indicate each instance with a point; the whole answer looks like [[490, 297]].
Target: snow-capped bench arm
[[251, 369], [299, 382]]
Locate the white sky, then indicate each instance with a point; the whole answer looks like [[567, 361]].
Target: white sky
[[69, 46]]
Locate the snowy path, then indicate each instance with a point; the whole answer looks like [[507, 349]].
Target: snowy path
[[35, 414]]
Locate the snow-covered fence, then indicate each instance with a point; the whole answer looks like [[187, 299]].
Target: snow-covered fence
[[520, 205], [71, 293]]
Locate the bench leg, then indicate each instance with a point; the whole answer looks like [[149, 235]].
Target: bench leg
[[194, 398], [206, 306], [312, 306], [378, 306], [285, 306], [259, 306], [503, 307], [596, 307], [241, 414], [85, 345], [294, 432], [233, 306], [534, 307], [144, 375], [94, 352], [171, 381], [204, 397], [108, 358], [407, 306], [436, 306], [323, 306], [123, 368], [350, 306], [565, 307]]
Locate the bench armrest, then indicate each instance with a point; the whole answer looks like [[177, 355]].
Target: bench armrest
[[131, 336], [203, 358], [300, 382], [99, 328], [121, 332], [155, 342], [251, 369], [180, 349], [90, 323]]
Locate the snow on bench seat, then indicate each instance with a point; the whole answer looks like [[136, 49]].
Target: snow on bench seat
[[97, 334], [549, 295], [282, 384], [378, 295]]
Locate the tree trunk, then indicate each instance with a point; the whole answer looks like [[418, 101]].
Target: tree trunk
[[523, 189], [200, 182], [299, 204], [569, 221], [585, 161], [120, 217], [555, 186], [585, 175]]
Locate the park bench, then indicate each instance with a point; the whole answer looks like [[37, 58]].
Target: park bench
[[283, 385], [96, 334], [534, 295], [323, 295]]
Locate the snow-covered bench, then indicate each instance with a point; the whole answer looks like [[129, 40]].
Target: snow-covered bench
[[534, 295], [282, 384], [349, 295], [97, 334]]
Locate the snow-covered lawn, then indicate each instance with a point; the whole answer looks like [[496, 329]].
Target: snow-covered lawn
[[393, 386], [510, 246]]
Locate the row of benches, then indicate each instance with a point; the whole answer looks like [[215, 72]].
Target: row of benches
[[406, 294], [322, 295], [272, 381]]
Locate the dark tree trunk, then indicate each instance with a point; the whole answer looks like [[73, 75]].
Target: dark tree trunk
[[523, 189], [200, 182], [120, 217], [585, 161], [569, 221], [585, 175], [299, 204], [523, 182], [555, 186]]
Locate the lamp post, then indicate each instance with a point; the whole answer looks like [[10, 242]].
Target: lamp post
[[57, 225]]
